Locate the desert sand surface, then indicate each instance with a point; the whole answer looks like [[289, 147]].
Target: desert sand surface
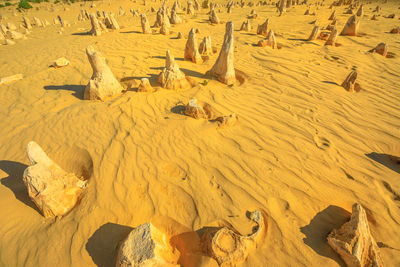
[[303, 151]]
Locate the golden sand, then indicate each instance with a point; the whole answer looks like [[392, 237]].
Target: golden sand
[[303, 151]]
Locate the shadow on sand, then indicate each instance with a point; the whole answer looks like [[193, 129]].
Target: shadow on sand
[[78, 90], [103, 245], [320, 226], [15, 171], [386, 160]]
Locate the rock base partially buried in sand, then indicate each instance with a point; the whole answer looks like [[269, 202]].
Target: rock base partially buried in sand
[[54, 191], [145, 246], [354, 242], [172, 77]]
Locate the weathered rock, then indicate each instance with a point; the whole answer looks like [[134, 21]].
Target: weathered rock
[[10, 79], [145, 86], [27, 23], [194, 110], [282, 7], [205, 48], [145, 246], [191, 48], [333, 15], [351, 27], [350, 82], [246, 26], [190, 8], [179, 36], [269, 41], [381, 49], [164, 30], [332, 37], [395, 30], [96, 29], [252, 15], [103, 84], [172, 77], [314, 34], [354, 242], [145, 24], [54, 191], [111, 22], [214, 19], [360, 11], [61, 62], [223, 68], [263, 28], [175, 19], [228, 247], [227, 121]]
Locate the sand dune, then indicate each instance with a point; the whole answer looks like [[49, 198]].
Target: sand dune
[[303, 151]]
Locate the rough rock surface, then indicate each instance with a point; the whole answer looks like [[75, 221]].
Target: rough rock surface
[[103, 84], [205, 48], [54, 191], [172, 77], [350, 82], [351, 27], [145, 24], [145, 246], [381, 49], [354, 242], [223, 68], [228, 247], [263, 28], [145, 86], [191, 48]]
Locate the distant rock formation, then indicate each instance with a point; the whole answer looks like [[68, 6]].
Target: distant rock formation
[[354, 242], [381, 49], [191, 48], [263, 28], [54, 191], [351, 27], [145, 24], [350, 82]]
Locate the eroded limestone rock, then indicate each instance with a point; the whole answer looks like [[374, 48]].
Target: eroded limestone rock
[[199, 110], [263, 28], [332, 37], [191, 48], [214, 19], [54, 191], [381, 49], [171, 76], [205, 48], [269, 41], [223, 68], [61, 62], [145, 86], [354, 242], [96, 29], [146, 245], [350, 82], [103, 84], [145, 24], [228, 247], [10, 79], [246, 26], [314, 34], [227, 121], [351, 27]]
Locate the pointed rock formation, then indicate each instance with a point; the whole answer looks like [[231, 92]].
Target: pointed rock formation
[[282, 7], [333, 15], [164, 30], [145, 86], [351, 27], [263, 28], [146, 245], [395, 30], [175, 19], [314, 34], [96, 29], [191, 49], [205, 48], [228, 247], [145, 24], [190, 8], [103, 84], [179, 36], [360, 11], [111, 22], [269, 41], [223, 68], [27, 23], [350, 82], [354, 242], [54, 191], [381, 49], [246, 26], [214, 19], [332, 37], [172, 77]]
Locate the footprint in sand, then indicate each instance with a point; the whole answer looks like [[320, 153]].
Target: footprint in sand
[[322, 142]]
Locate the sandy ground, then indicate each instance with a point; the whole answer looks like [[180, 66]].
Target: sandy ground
[[304, 149]]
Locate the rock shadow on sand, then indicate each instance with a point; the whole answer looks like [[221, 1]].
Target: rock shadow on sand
[[320, 226], [15, 171], [78, 90], [386, 160], [103, 245]]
